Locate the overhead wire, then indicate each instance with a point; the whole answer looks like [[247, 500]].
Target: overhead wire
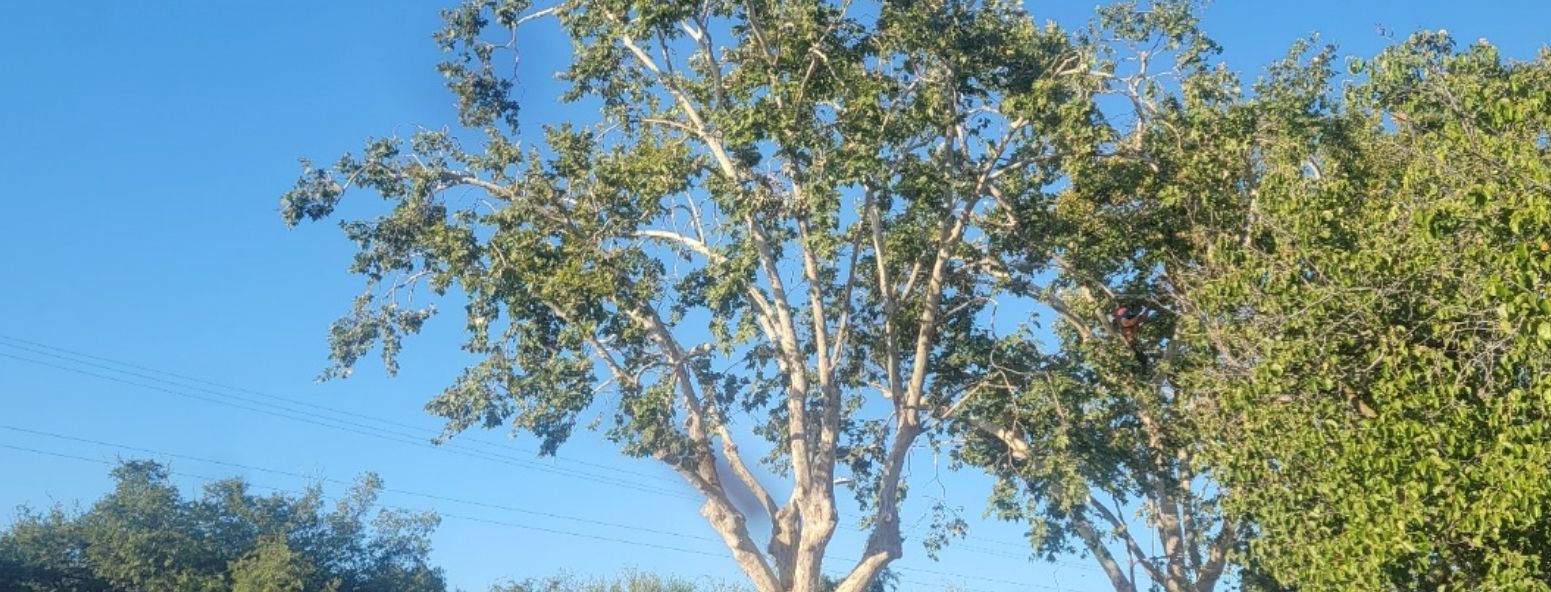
[[431, 496], [82, 357], [345, 425], [394, 507], [477, 519], [100, 362]]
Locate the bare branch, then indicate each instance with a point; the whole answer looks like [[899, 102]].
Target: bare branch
[[692, 244], [1217, 556], [1138, 555]]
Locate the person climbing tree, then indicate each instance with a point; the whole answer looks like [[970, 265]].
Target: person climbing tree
[[1129, 322]]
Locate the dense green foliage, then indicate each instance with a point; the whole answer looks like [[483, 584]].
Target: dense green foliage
[[145, 536], [804, 219], [1384, 327], [1349, 358]]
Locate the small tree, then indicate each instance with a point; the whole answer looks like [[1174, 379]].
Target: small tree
[[782, 211], [145, 536]]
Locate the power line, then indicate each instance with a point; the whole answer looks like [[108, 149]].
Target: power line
[[460, 516], [342, 482], [980, 578], [400, 508], [351, 427], [30, 345], [314, 418], [356, 428], [1027, 556], [390, 436]]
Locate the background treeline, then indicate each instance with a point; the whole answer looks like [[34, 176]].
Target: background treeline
[[145, 536]]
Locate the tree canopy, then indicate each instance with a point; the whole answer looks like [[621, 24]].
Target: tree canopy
[[781, 215], [802, 221], [1382, 326], [144, 536]]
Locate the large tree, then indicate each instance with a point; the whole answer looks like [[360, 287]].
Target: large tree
[[1379, 315], [781, 215], [145, 536]]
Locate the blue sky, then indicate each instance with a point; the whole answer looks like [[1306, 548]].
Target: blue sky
[[143, 148]]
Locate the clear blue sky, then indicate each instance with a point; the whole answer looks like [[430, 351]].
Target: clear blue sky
[[143, 146]]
